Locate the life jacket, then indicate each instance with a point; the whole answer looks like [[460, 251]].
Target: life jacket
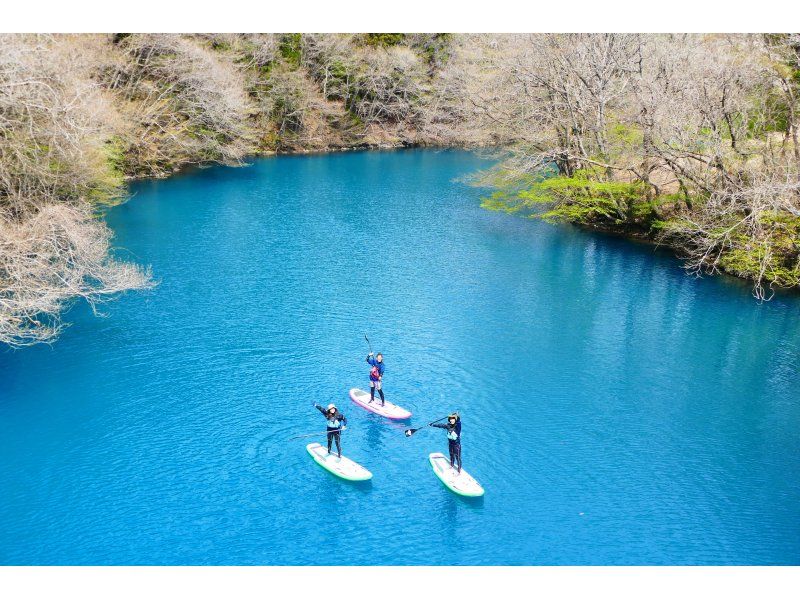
[[454, 431], [375, 373], [334, 423]]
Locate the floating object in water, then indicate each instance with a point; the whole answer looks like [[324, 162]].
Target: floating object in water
[[460, 483], [389, 410], [339, 466]]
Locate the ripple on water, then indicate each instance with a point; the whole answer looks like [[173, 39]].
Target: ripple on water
[[615, 410]]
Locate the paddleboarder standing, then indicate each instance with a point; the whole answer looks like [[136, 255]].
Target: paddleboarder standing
[[376, 376], [453, 427], [335, 423]]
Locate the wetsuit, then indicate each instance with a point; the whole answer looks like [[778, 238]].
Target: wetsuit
[[334, 423], [453, 441], [376, 381]]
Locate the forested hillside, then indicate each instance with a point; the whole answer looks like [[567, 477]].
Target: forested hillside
[[687, 140], [81, 113]]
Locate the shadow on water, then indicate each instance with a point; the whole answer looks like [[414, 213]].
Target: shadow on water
[[453, 503], [336, 484], [471, 502], [378, 429], [374, 431], [362, 487]]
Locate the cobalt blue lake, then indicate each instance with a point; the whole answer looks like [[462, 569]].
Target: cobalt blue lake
[[616, 410]]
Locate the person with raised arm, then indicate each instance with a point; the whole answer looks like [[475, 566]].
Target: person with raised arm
[[376, 377], [335, 422]]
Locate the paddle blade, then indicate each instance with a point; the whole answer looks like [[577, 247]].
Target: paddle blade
[[411, 431]]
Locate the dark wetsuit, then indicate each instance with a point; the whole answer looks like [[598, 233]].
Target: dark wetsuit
[[376, 381], [453, 441], [335, 423]]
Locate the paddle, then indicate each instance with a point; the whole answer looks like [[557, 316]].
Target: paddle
[[342, 429], [411, 431], [317, 433], [368, 343]]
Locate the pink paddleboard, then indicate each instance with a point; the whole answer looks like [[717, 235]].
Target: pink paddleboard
[[390, 410]]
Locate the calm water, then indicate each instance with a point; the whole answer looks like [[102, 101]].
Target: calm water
[[616, 410]]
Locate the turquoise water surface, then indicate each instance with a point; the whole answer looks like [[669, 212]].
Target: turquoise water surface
[[616, 410]]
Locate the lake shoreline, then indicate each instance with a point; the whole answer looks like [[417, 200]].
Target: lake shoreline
[[172, 416], [154, 105], [309, 151], [623, 231]]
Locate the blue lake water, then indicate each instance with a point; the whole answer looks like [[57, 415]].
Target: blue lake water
[[616, 410]]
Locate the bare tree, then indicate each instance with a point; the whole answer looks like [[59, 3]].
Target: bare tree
[[48, 259], [379, 85], [53, 135], [186, 105], [690, 116]]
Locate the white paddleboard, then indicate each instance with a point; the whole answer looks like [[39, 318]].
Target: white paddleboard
[[343, 467], [460, 483], [389, 410]]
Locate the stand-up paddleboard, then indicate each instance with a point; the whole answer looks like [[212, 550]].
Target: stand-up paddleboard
[[460, 483], [389, 410], [342, 467]]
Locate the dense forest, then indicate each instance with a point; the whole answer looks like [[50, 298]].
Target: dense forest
[[686, 140]]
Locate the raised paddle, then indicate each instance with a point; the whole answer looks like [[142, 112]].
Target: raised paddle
[[411, 431], [369, 344]]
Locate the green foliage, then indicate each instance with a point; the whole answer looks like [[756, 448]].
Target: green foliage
[[435, 47], [291, 48], [105, 172], [339, 82], [625, 134], [110, 175], [748, 262], [384, 40], [779, 114], [769, 253], [584, 210], [220, 45], [580, 199], [354, 120], [269, 141], [581, 185], [500, 201], [339, 70], [584, 200], [643, 210]]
